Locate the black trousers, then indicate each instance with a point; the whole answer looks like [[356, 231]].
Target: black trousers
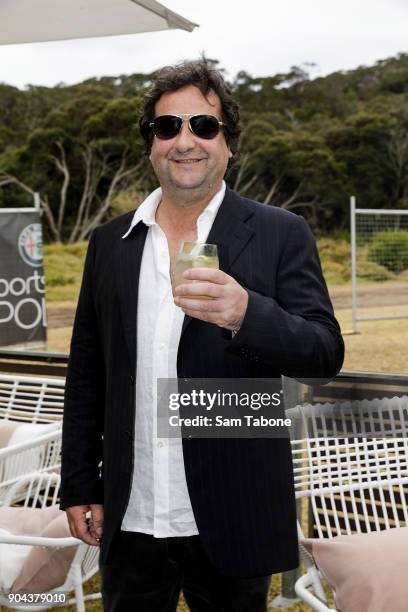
[[146, 574]]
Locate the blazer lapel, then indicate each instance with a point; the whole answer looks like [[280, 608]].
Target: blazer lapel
[[230, 232], [129, 258]]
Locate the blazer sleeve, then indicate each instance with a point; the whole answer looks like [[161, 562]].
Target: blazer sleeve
[[296, 330], [82, 433]]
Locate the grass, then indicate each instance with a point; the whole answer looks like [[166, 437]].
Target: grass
[[64, 263], [335, 259], [379, 346]]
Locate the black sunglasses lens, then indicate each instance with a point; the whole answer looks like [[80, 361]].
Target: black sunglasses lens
[[167, 126], [205, 126]]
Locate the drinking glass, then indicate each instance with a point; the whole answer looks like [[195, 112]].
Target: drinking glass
[[194, 255]]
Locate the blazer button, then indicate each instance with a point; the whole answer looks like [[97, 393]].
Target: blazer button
[[132, 379], [128, 434]]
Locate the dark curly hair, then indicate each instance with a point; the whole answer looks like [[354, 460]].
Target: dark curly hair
[[200, 74]]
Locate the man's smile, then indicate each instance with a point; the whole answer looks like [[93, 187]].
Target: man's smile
[[187, 161]]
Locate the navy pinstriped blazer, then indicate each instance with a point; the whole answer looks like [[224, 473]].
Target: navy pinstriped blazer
[[241, 490]]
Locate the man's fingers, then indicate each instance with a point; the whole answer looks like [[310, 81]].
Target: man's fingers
[[207, 274], [77, 519], [203, 316], [80, 524], [89, 537], [86, 532], [208, 306], [96, 524], [199, 288]]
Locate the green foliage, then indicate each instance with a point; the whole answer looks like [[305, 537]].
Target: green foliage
[[307, 144], [335, 259], [390, 249], [372, 271], [63, 265], [126, 201]]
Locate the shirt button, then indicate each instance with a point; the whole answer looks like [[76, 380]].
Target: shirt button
[[160, 444], [162, 346]]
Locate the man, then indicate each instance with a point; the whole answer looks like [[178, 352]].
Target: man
[[214, 517]]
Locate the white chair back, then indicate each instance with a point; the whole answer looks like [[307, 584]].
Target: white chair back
[[39, 454], [41, 489], [351, 464], [31, 399]]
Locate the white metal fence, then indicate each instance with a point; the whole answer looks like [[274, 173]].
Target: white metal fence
[[379, 263]]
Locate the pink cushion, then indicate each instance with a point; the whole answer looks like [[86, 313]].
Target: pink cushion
[[367, 572], [46, 568], [28, 431], [28, 521], [21, 521], [7, 428], [12, 557]]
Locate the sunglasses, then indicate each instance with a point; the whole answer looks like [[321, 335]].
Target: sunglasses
[[166, 127]]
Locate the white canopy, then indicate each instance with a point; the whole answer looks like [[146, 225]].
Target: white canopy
[[24, 21]]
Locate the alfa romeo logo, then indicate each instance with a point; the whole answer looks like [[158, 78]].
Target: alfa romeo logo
[[30, 244]]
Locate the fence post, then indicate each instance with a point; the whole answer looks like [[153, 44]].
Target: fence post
[[353, 264], [293, 393]]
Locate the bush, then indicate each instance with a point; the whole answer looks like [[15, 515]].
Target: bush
[[60, 281], [371, 271], [335, 258], [390, 249]]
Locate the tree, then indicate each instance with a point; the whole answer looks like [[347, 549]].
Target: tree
[[87, 150], [373, 149], [293, 170], [307, 144]]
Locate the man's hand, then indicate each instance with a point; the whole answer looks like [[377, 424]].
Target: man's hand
[[88, 529], [228, 300]]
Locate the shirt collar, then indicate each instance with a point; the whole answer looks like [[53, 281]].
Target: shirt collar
[[146, 212]]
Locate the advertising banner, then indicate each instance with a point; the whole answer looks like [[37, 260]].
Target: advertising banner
[[22, 289]]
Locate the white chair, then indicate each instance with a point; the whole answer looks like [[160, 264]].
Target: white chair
[[31, 399], [39, 454], [42, 489], [352, 468]]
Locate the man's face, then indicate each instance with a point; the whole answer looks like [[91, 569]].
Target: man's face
[[187, 162]]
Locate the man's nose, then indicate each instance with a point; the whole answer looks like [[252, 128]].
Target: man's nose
[[185, 138]]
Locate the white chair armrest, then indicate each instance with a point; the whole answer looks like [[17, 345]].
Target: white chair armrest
[[301, 589], [40, 541], [33, 443]]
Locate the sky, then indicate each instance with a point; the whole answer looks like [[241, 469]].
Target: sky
[[262, 37]]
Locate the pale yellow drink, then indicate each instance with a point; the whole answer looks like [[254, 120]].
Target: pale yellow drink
[[194, 255]]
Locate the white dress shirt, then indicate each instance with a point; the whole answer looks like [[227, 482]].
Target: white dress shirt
[[159, 502]]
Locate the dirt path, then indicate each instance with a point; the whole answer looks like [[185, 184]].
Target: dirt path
[[61, 314], [376, 294]]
